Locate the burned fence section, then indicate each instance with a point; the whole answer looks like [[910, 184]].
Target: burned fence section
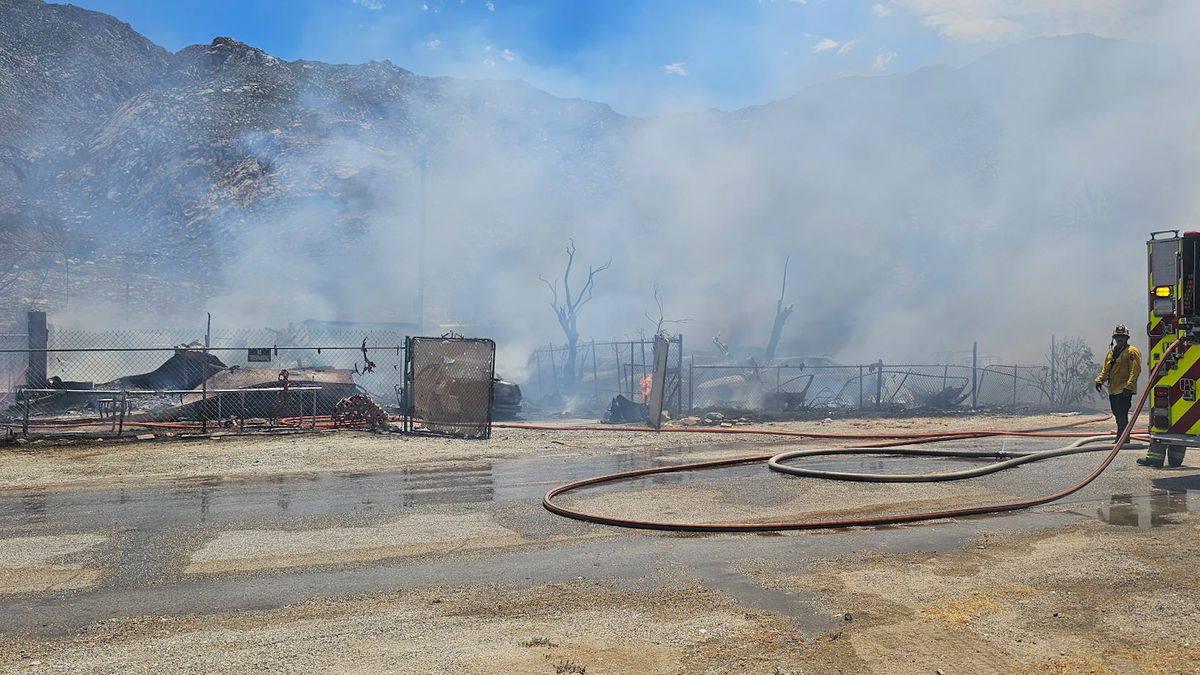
[[875, 386], [100, 383], [13, 365], [779, 389], [601, 373], [448, 383]]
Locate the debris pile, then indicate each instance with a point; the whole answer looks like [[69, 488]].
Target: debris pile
[[712, 419], [358, 409], [624, 410]]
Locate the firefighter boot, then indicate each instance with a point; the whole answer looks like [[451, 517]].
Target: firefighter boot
[[1175, 455], [1155, 456]]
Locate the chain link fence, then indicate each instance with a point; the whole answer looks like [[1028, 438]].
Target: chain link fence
[[876, 386], [602, 371], [105, 382]]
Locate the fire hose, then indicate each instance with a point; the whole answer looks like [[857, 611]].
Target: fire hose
[[777, 462]]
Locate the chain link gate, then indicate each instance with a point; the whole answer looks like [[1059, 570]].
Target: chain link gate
[[448, 386]]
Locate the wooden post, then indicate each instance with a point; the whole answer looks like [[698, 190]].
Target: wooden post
[[658, 385]]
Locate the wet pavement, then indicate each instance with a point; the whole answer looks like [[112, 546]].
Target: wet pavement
[[154, 530]]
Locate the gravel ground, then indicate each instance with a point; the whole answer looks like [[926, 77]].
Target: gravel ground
[[364, 553]]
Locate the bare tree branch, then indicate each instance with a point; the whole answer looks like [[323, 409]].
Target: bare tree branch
[[567, 307], [781, 315]]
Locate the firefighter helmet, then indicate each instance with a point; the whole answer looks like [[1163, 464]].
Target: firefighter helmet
[[1121, 329]]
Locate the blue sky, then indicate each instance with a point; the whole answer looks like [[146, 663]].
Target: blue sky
[[642, 58]]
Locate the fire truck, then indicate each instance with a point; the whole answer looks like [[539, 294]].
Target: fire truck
[[1174, 263]]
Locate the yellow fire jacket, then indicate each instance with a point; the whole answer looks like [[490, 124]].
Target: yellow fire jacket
[[1121, 374]]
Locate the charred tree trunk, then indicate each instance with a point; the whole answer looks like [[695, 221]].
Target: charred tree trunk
[[781, 316], [570, 377], [567, 311]]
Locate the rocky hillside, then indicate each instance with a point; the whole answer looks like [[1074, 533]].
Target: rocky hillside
[[110, 138], [223, 176]]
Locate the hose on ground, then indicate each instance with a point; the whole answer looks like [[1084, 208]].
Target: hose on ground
[[1008, 460], [774, 526]]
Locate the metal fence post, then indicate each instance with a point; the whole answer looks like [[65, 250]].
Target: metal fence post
[[595, 376], [1014, 401], [617, 366], [974, 374], [861, 375], [679, 369], [1053, 368], [204, 390], [537, 353], [632, 396], [879, 384], [692, 384]]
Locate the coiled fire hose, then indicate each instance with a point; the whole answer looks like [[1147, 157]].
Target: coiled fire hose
[[776, 462]]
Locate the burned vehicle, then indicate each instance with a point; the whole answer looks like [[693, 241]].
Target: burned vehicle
[[506, 399]]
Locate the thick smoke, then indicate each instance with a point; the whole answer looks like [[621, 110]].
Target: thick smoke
[[1001, 202]]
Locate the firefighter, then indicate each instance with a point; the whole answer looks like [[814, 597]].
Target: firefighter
[[1122, 366]]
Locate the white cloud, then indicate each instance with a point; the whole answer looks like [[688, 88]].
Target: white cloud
[[991, 20], [489, 62], [433, 44], [369, 4], [880, 11], [972, 27], [675, 69], [508, 55], [424, 7], [883, 61], [491, 6], [825, 45]]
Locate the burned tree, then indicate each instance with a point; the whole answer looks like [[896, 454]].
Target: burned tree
[[660, 323], [781, 316], [1068, 379], [568, 307]]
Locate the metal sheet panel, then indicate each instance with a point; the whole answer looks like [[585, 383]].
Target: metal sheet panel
[[1163, 270]]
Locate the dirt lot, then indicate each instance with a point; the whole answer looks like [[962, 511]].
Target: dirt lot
[[1085, 599], [509, 588]]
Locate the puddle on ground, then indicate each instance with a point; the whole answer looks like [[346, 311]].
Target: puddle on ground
[[222, 500], [1152, 510]]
